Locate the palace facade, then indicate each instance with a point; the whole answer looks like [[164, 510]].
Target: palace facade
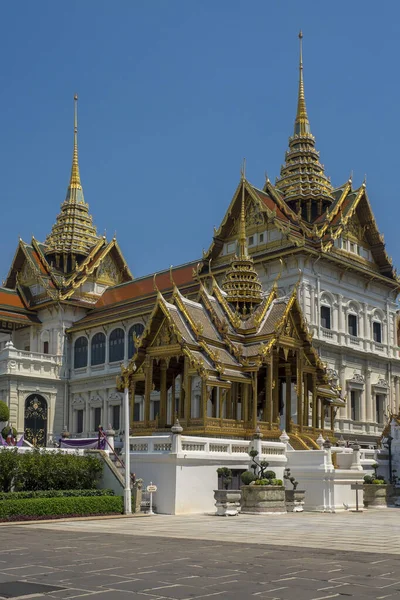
[[288, 321]]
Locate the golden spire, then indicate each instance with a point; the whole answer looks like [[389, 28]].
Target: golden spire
[[301, 125], [302, 181], [75, 180], [241, 284], [243, 254], [73, 231]]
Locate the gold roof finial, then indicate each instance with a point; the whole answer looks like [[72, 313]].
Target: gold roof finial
[[242, 230], [302, 176], [73, 230], [241, 284], [301, 125], [75, 180]]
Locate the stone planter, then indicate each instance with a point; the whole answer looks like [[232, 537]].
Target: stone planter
[[377, 496], [259, 499], [227, 502], [294, 500]]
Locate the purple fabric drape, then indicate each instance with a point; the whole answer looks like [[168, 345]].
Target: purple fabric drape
[[84, 443]]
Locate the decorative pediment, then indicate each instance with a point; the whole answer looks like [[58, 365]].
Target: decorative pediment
[[165, 337], [78, 402], [96, 401], [108, 271], [254, 217], [290, 329]]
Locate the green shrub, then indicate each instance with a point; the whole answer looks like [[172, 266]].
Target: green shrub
[[4, 411], [247, 477], [6, 430], [9, 460], [56, 471], [262, 482], [38, 470], [54, 494], [378, 481], [270, 475], [368, 479], [226, 476], [76, 506]]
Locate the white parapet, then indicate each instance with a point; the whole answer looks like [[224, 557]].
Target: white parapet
[[184, 468], [328, 489]]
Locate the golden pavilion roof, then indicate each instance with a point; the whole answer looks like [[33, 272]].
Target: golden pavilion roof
[[73, 231], [241, 284], [302, 176]]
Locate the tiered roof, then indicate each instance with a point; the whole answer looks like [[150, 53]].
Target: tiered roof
[[303, 177], [73, 231]]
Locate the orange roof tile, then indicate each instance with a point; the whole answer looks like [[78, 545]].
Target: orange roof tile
[[270, 203], [145, 286], [10, 298]]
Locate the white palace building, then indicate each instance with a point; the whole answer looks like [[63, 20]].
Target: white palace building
[[71, 312]]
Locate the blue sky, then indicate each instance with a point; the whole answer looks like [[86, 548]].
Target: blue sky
[[172, 95]]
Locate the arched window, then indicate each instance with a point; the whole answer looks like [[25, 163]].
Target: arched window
[[116, 345], [80, 352], [136, 329], [98, 349]]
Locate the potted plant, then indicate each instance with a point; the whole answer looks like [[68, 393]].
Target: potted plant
[[227, 501], [377, 493], [294, 498], [262, 492]]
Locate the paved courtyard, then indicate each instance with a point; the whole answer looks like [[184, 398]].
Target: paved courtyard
[[286, 557]]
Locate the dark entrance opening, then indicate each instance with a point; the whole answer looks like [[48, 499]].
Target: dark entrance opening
[[36, 420]]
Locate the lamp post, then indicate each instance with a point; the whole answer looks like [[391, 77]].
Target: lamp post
[[127, 458]]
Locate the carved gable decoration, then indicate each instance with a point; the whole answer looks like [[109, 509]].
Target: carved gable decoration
[[355, 229], [254, 217], [290, 329], [108, 271], [27, 275], [164, 337]]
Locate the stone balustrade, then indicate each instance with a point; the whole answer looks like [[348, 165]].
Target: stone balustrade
[[30, 364], [203, 446]]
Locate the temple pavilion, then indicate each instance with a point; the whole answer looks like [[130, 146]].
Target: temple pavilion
[[243, 360]]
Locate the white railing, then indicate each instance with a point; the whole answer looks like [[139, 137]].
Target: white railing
[[193, 445], [23, 362], [354, 340]]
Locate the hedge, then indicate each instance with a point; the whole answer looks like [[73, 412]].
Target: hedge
[[13, 510], [53, 494], [38, 470]]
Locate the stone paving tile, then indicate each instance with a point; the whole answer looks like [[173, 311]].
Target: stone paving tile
[[118, 566]]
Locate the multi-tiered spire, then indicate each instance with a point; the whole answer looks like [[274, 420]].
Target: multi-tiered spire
[[73, 234], [241, 284], [303, 182]]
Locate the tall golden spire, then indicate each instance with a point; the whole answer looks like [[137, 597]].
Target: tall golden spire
[[302, 181], [75, 180], [242, 241], [241, 284], [73, 231], [301, 125]]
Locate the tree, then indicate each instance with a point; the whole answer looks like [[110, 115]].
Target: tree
[[4, 411]]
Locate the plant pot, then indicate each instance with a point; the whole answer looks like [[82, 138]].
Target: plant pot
[[259, 499], [377, 495], [227, 502], [294, 500]]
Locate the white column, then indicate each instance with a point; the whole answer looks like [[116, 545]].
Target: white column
[[342, 377], [397, 386], [340, 320], [127, 457], [312, 306], [368, 396], [86, 415]]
